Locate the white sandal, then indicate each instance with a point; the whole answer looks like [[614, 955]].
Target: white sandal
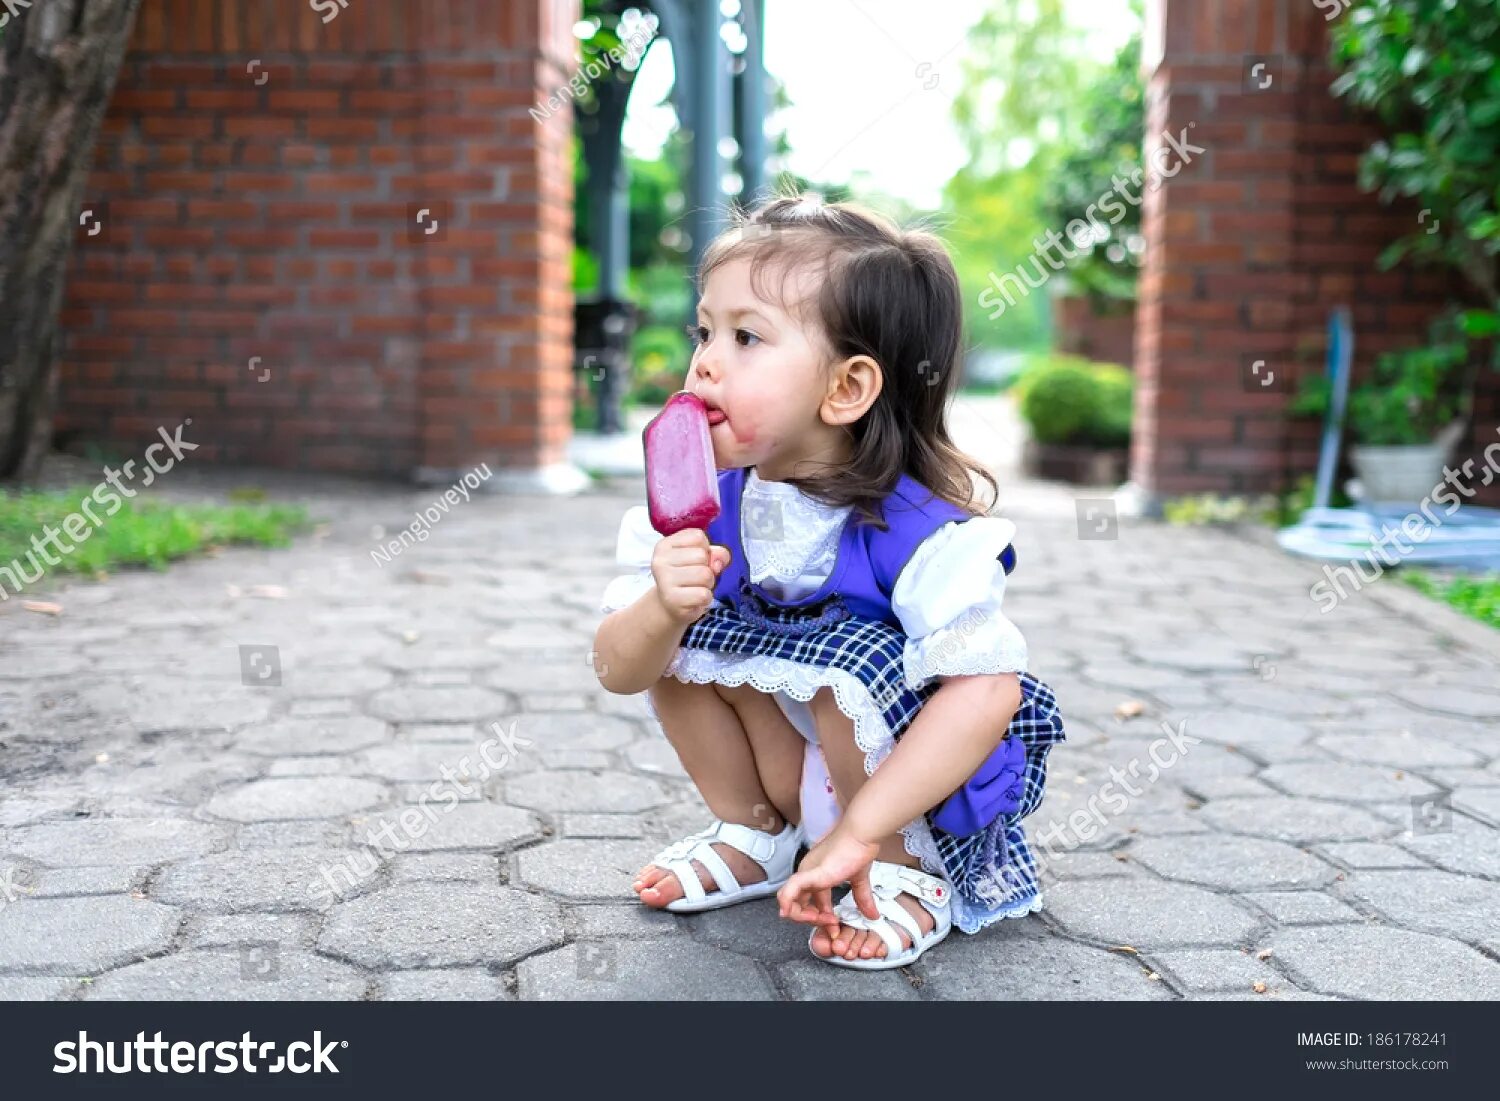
[[775, 853], [888, 880]]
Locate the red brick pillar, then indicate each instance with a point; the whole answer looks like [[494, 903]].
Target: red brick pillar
[[1251, 245], [263, 268]]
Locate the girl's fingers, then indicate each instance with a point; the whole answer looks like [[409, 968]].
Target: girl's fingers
[[864, 897]]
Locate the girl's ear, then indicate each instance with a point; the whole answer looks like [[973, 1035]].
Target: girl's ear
[[856, 384]]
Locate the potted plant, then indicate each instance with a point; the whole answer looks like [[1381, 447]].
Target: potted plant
[[1079, 415], [1404, 418]]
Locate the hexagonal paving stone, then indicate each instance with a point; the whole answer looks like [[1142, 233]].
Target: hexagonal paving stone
[[416, 761], [1299, 703], [1285, 818], [431, 925], [584, 869], [657, 755], [1145, 914], [312, 737], [642, 970], [1363, 783], [808, 980], [1232, 863], [294, 797], [26, 663], [465, 826], [1384, 964], [1435, 902], [157, 703], [262, 879], [1458, 844], [263, 972], [617, 792], [1216, 969], [576, 729], [994, 966], [453, 704], [1451, 700], [20, 988], [544, 676], [112, 841], [82, 936], [1396, 750], [1302, 907], [442, 986]]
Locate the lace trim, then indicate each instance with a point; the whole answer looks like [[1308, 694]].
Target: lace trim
[[921, 667], [787, 535], [801, 682]]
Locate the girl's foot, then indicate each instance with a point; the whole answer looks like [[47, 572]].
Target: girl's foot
[[729, 863], [864, 944], [657, 887]]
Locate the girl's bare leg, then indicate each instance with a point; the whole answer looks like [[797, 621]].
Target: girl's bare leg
[[746, 760], [846, 767]]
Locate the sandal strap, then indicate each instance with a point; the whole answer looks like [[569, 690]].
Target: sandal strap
[[677, 857], [892, 913], [889, 880]]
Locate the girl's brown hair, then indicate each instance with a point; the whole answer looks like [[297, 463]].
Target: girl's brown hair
[[888, 294]]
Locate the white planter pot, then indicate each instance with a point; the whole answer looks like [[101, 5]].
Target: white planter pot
[[1401, 475]]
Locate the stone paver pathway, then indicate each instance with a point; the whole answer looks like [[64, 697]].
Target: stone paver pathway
[[175, 810]]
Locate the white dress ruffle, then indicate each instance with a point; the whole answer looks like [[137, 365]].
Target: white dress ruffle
[[948, 600]]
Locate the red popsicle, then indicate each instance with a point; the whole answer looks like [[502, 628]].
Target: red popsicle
[[682, 484]]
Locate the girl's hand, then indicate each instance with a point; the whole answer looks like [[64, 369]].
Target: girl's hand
[[686, 566], [840, 857]]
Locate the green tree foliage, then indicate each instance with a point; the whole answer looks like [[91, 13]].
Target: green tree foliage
[[1427, 69], [1105, 147], [1043, 124]]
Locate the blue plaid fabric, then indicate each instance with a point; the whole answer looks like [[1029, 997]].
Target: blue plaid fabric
[[993, 871]]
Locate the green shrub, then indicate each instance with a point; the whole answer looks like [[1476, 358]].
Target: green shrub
[[1070, 400], [659, 360]]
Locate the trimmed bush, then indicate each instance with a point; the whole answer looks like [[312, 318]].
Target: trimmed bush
[[1068, 400]]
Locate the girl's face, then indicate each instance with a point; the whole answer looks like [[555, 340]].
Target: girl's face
[[758, 368]]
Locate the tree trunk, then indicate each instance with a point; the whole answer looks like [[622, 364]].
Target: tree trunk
[[58, 62]]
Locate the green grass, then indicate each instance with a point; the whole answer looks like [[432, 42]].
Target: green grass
[[140, 533], [1477, 596]]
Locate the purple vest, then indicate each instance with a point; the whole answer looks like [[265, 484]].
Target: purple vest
[[869, 560]]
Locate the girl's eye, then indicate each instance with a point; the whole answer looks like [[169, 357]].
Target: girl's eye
[[698, 334], [744, 338]]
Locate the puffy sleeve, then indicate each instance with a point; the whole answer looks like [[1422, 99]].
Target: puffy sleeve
[[633, 549], [948, 599]]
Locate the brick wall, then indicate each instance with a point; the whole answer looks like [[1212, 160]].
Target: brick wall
[[1252, 244], [258, 181], [1103, 332]]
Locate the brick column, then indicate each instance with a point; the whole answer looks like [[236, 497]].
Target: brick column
[[1251, 246], [262, 267]]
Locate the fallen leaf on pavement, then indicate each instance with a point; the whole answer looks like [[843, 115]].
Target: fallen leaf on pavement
[[1124, 948], [1258, 987], [42, 607], [1129, 709]]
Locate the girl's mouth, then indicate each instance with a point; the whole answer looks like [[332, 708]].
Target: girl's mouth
[[716, 416]]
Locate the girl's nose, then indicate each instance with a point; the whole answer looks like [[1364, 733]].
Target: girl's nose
[[705, 369]]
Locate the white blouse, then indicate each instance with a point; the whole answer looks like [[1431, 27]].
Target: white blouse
[[948, 597]]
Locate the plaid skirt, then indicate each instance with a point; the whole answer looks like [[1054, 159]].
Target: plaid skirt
[[994, 871]]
